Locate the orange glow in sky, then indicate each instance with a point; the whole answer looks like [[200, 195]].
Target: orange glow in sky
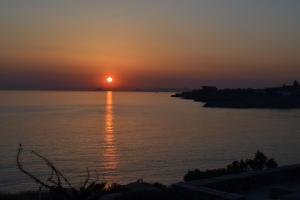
[[46, 45]]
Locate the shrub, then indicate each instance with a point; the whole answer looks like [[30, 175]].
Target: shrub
[[271, 163], [259, 162]]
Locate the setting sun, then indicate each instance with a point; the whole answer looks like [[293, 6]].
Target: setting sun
[[109, 79]]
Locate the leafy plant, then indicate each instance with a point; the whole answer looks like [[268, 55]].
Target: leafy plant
[[259, 162]]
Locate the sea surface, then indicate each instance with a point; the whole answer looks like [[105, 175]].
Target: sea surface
[[125, 136]]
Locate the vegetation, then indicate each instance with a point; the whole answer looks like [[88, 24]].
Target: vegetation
[[259, 162], [58, 186]]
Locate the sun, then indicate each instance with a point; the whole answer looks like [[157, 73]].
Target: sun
[[109, 79]]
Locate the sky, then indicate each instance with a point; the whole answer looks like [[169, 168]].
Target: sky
[[75, 44]]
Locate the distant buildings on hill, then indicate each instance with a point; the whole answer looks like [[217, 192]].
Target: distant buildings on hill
[[286, 96]]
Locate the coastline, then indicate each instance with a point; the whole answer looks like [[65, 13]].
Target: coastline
[[285, 97]]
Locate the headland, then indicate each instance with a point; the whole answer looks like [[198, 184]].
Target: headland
[[284, 97]]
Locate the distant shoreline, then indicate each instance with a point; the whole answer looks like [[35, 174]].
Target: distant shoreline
[[284, 97], [96, 90]]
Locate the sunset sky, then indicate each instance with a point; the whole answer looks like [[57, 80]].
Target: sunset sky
[[73, 44]]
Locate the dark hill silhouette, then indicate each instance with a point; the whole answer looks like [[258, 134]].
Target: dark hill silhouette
[[285, 97]]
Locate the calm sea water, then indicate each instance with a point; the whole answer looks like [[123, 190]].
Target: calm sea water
[[124, 136]]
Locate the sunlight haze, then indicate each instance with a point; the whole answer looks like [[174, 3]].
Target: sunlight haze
[[148, 44]]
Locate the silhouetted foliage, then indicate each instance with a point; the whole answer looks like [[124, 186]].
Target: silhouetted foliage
[[259, 162], [160, 186], [59, 186], [113, 188], [271, 163]]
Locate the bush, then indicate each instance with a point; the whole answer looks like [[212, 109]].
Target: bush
[[271, 163], [259, 162]]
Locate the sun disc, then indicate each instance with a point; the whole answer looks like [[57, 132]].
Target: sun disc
[[109, 79]]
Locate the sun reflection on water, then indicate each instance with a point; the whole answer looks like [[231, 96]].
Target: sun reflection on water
[[110, 151]]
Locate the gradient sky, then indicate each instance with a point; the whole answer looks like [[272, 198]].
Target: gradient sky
[[74, 44]]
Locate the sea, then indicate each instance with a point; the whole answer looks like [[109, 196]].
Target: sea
[[120, 137]]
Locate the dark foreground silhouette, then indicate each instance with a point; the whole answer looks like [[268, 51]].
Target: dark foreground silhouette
[[57, 186], [259, 162], [285, 97]]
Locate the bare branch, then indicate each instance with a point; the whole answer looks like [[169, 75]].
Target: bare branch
[[21, 168], [87, 177], [56, 171]]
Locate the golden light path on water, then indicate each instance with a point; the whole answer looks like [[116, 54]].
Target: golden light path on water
[[110, 154]]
